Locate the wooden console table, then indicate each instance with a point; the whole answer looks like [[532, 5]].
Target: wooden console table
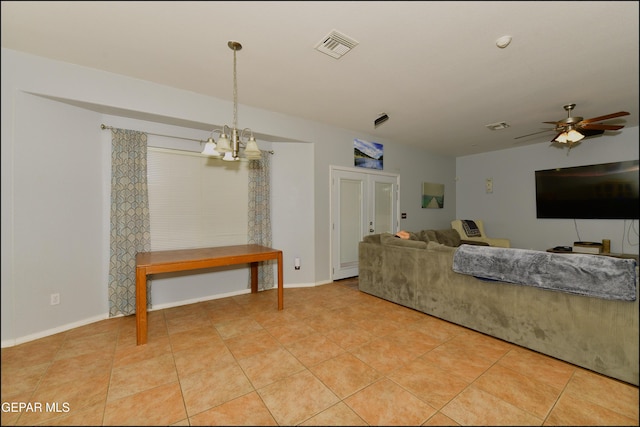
[[193, 259]]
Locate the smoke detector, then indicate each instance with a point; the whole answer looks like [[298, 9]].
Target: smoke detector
[[503, 42], [336, 44]]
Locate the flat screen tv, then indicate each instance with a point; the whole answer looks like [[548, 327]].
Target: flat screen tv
[[604, 191]]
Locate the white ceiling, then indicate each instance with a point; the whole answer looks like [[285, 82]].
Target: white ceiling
[[433, 67]]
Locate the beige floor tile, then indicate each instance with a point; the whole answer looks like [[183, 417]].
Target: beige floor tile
[[188, 322], [385, 355], [138, 353], [345, 374], [297, 398], [414, 342], [529, 394], [551, 371], [21, 379], [615, 395], [207, 356], [436, 328], [314, 349], [440, 419], [349, 336], [91, 416], [247, 410], [457, 360], [574, 411], [77, 369], [32, 353], [235, 327], [104, 344], [270, 366], [429, 383], [140, 376], [293, 331], [213, 387], [161, 405], [247, 345], [477, 407], [337, 415], [66, 397], [194, 338], [386, 403]]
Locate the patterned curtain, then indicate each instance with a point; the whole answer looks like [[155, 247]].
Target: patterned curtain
[[130, 225], [259, 231]]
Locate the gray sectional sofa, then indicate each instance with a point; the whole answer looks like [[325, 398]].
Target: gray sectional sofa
[[595, 333]]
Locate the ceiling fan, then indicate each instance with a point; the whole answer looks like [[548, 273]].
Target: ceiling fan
[[573, 129]]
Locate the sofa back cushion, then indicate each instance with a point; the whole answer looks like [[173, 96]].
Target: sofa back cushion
[[449, 237], [390, 239]]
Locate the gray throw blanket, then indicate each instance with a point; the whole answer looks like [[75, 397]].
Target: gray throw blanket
[[592, 275]]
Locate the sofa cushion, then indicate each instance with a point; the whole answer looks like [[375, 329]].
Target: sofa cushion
[[449, 237], [423, 235], [390, 239], [371, 238], [435, 246]]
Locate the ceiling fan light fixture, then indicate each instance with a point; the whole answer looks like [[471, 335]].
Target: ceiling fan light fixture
[[569, 137]]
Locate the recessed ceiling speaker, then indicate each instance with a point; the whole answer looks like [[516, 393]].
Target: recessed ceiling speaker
[[381, 119]]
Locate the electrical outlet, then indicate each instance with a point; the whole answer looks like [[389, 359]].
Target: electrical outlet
[[489, 185], [55, 299]]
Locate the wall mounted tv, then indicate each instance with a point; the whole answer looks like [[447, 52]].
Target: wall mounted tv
[[603, 191]]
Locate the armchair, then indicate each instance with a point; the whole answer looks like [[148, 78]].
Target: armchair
[[473, 230]]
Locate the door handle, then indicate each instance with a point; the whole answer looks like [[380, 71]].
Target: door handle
[[371, 230]]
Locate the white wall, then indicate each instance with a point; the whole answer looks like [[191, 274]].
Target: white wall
[[510, 211], [55, 187]]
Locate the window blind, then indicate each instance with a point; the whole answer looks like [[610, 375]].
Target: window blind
[[195, 201]]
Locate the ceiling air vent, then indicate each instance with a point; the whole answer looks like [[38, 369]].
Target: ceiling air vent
[[497, 126], [336, 44]]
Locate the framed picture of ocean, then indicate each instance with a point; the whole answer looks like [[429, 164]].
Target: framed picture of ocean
[[367, 154], [432, 195]]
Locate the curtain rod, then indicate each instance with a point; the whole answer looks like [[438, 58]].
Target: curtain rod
[[103, 127]]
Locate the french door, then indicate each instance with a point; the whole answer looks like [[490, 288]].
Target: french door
[[361, 203]]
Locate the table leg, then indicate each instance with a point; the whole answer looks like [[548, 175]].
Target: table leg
[[141, 306], [254, 277], [280, 283]]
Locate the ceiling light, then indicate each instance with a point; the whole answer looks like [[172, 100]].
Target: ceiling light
[[230, 147], [569, 137]]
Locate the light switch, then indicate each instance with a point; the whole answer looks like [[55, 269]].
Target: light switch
[[489, 185]]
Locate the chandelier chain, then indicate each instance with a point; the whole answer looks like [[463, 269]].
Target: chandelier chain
[[235, 92]]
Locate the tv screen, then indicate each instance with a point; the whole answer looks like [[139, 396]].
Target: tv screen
[[604, 191]]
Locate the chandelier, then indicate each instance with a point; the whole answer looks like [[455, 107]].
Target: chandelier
[[229, 148], [570, 136]]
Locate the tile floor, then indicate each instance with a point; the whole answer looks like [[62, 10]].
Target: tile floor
[[333, 356]]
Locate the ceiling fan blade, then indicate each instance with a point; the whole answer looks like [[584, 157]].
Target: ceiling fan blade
[[591, 132], [553, 123], [535, 133], [607, 117], [598, 126]]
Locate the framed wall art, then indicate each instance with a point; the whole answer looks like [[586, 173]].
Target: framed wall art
[[367, 154], [432, 195]]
